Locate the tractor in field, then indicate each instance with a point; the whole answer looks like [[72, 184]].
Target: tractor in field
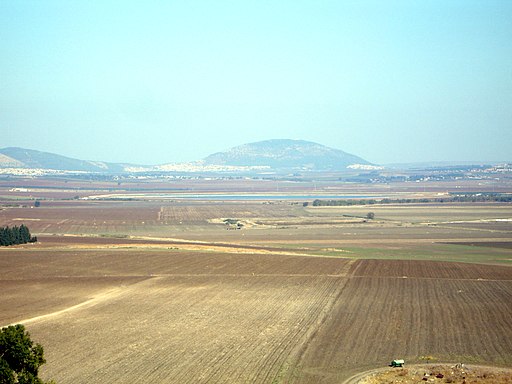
[[397, 363]]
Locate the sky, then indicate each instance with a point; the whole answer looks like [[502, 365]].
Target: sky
[[153, 82]]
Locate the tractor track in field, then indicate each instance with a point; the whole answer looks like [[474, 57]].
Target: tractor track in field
[[192, 317], [101, 297]]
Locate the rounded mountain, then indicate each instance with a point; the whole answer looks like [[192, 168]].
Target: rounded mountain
[[286, 154]]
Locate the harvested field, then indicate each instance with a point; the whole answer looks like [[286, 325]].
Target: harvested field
[[264, 222], [205, 212], [379, 318], [192, 329], [30, 298], [161, 292], [421, 269], [174, 316]]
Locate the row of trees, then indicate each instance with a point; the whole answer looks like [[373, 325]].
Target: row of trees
[[465, 198], [16, 235], [336, 203]]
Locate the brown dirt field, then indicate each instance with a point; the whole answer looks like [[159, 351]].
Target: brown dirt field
[[52, 263], [275, 224], [378, 319], [161, 292], [27, 298], [420, 269], [479, 225], [149, 243], [190, 329], [87, 217], [423, 212], [157, 316]]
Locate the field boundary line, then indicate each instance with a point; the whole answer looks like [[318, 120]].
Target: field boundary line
[[296, 355], [182, 244], [430, 278], [85, 304]]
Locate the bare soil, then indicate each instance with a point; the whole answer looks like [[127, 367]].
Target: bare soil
[[127, 315], [162, 292], [437, 373]]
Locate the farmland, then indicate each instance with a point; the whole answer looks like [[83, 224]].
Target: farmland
[[152, 290]]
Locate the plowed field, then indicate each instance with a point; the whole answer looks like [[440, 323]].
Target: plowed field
[[175, 316], [163, 291]]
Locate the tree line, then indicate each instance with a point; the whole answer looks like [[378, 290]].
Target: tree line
[[16, 235], [466, 198]]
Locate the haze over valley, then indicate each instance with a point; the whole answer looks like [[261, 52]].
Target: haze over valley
[[251, 192]]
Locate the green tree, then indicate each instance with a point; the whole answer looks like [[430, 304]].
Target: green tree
[[20, 358], [24, 234], [370, 215], [3, 236], [16, 235], [6, 236]]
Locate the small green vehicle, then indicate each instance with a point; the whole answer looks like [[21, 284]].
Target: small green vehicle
[[397, 363]]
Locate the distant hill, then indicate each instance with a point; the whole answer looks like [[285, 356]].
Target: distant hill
[[273, 155], [286, 154], [14, 157]]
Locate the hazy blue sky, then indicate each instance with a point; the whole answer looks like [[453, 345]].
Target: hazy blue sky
[[165, 81]]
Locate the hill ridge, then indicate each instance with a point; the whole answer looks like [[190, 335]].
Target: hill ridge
[[274, 154], [286, 153]]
